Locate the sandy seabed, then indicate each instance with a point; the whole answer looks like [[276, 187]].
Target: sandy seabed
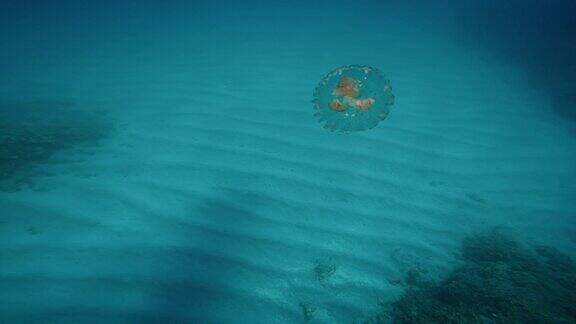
[[216, 195]]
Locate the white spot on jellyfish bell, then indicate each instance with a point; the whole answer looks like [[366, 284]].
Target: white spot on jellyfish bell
[[352, 98]]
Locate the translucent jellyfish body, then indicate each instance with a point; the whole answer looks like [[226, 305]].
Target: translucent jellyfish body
[[352, 98]]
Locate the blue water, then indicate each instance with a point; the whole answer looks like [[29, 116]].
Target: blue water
[[160, 163]]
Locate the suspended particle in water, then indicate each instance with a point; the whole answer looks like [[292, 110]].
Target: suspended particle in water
[[352, 98]]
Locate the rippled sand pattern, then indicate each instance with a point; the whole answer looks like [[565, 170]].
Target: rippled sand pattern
[[218, 197]]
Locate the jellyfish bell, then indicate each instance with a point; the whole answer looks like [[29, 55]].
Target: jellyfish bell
[[352, 98], [347, 87]]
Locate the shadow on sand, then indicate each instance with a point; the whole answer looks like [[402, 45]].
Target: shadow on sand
[[33, 132], [537, 36]]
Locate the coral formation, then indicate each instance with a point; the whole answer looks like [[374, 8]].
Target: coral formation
[[324, 269], [308, 311], [499, 281], [32, 132]]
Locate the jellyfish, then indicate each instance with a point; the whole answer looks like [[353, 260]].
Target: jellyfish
[[352, 98]]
